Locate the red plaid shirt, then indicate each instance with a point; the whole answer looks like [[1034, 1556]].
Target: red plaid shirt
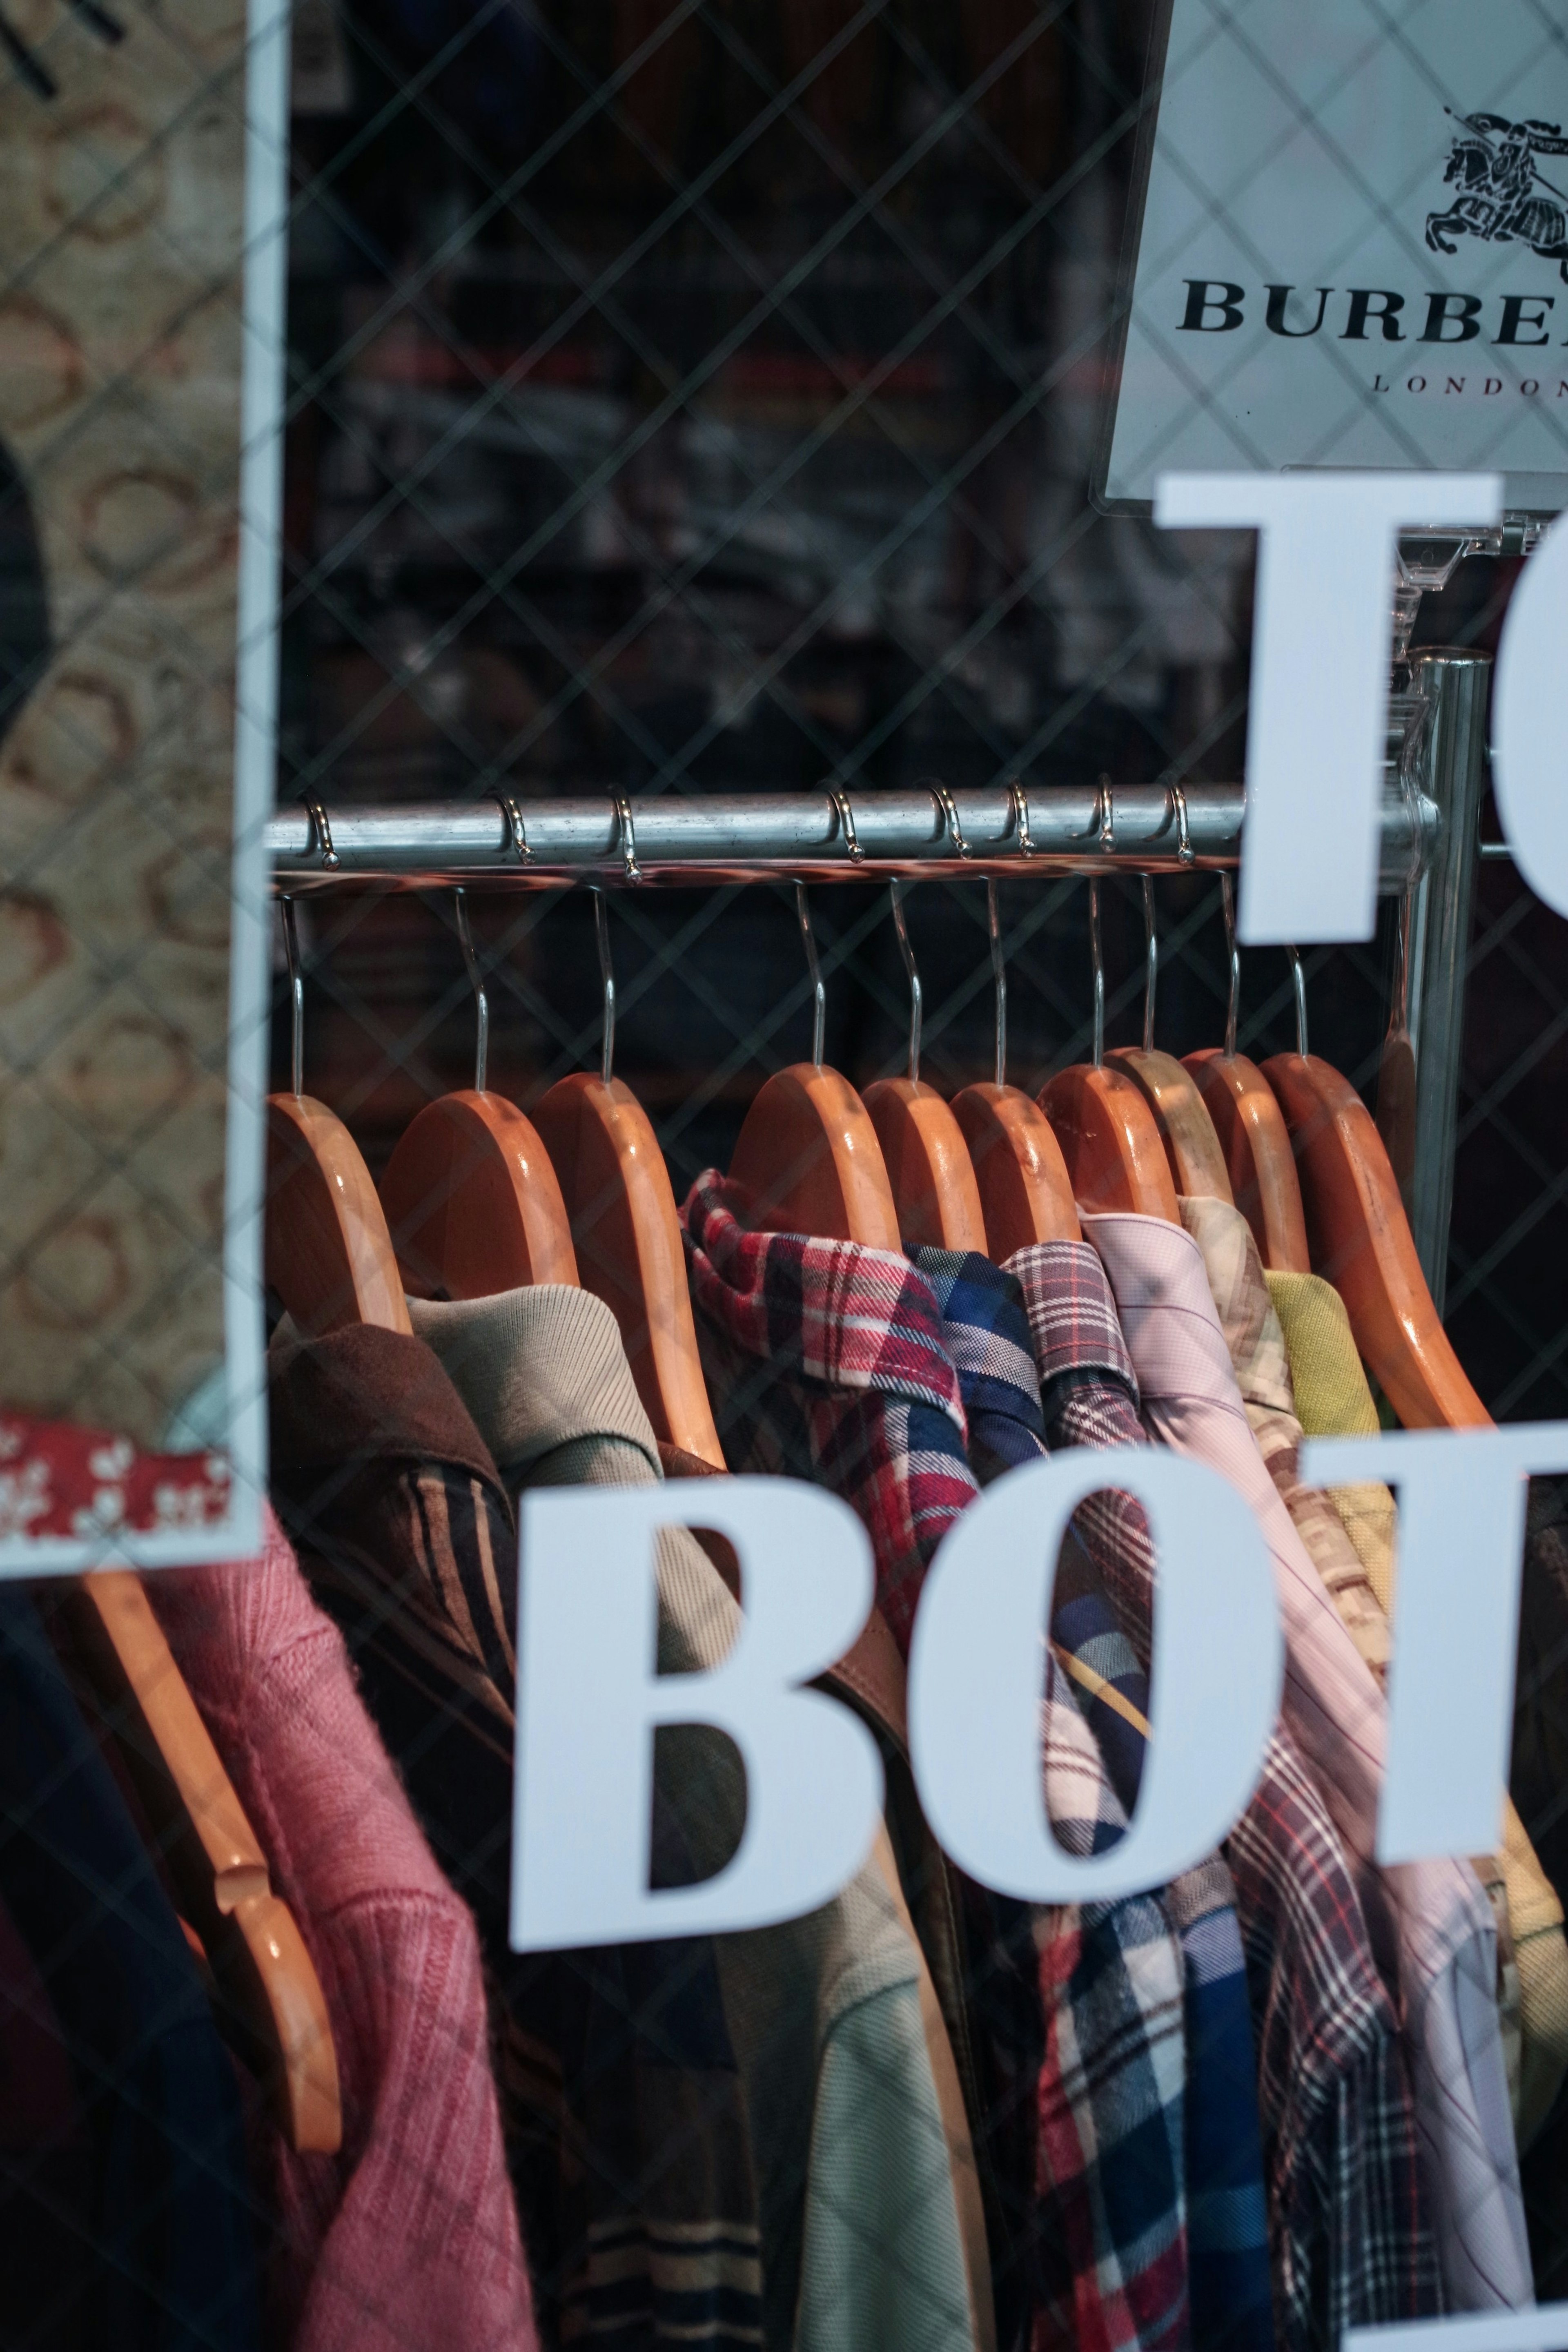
[[826, 1361], [1350, 2231]]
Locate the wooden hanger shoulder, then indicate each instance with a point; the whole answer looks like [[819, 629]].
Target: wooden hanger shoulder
[[809, 1160], [472, 1202], [329, 1257], [1258, 1156], [1360, 1239], [1110, 1144], [1191, 1145], [627, 1240], [1021, 1177], [935, 1194], [217, 1865]]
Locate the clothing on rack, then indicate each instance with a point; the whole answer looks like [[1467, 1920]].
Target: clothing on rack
[[826, 1361], [166, 2259], [1349, 2227], [854, 2170], [1258, 1358], [1333, 1397], [1431, 1926], [409, 2235], [627, 2144], [986, 1327]]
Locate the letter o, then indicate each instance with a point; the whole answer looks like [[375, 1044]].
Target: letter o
[[1416, 384], [1531, 388], [976, 1670], [1530, 750]]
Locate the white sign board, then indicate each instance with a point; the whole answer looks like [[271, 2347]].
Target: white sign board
[[1352, 248]]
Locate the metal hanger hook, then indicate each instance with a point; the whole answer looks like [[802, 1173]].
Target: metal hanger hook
[[1105, 816], [1233, 954], [296, 998], [322, 828], [627, 833], [895, 892], [1098, 967], [607, 977], [819, 993], [1298, 982], [481, 1000], [1185, 854], [999, 975], [1019, 798], [949, 808], [1151, 962], [846, 816]]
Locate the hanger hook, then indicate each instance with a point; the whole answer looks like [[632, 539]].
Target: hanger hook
[[895, 892], [1233, 954], [999, 974], [1151, 963], [1019, 798], [628, 834], [1298, 982], [1185, 854], [949, 808], [819, 993], [1098, 967], [296, 997], [514, 832], [481, 1000], [846, 816], [1105, 816], [322, 826], [607, 976]]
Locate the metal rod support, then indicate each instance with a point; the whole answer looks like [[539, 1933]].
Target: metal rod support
[[696, 838], [1455, 683]]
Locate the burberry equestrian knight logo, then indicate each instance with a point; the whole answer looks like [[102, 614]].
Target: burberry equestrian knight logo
[[1503, 198]]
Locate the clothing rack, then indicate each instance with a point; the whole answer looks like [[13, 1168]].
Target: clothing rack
[[1430, 815]]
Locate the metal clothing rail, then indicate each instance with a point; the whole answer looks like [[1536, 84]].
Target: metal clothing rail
[[690, 838]]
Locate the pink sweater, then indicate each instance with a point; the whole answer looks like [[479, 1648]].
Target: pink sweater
[[409, 2236]]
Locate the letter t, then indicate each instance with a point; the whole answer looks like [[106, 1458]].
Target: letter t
[[1320, 645], [1462, 1496]]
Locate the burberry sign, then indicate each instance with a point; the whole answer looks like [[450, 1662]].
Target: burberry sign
[[1351, 246]]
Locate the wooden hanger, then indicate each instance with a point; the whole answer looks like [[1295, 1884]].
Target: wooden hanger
[[1025, 1195], [626, 1232], [329, 1254], [470, 1195], [928, 1161], [1252, 1134], [1360, 1239], [807, 1157], [271, 1991], [1110, 1144], [1191, 1145]]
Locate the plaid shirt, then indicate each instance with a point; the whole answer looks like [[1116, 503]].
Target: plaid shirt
[[985, 1326], [826, 1361], [1350, 2233]]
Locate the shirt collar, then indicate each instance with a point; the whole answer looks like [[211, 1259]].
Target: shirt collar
[[987, 1332], [1072, 1316], [538, 1368], [1234, 1274], [827, 1312]]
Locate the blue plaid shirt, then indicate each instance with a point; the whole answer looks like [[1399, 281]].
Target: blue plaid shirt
[[986, 1325]]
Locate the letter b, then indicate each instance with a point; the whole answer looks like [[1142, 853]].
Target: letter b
[[1205, 294], [588, 1701]]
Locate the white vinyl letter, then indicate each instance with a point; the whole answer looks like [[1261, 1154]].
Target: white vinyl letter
[[1529, 760], [976, 1671], [1319, 702], [1462, 1495], [589, 1698]]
